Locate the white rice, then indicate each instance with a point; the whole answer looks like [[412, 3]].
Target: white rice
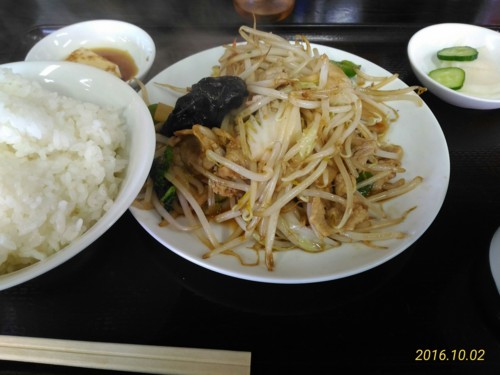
[[60, 166]]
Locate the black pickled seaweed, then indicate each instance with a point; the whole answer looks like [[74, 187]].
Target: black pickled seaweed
[[206, 104]]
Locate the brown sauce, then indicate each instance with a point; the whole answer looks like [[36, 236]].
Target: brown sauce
[[123, 59]]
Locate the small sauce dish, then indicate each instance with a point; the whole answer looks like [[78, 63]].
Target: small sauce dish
[[481, 89], [124, 44]]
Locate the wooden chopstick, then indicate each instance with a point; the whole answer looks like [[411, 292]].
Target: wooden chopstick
[[149, 359]]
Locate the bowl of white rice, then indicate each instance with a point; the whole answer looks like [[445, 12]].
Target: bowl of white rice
[[76, 145]]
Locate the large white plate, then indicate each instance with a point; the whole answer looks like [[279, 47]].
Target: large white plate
[[426, 154]]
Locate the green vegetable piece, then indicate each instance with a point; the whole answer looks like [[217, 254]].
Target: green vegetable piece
[[163, 188], [452, 78], [362, 176], [169, 197], [460, 53], [348, 67], [152, 109]]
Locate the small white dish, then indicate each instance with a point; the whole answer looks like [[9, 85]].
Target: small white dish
[[422, 49], [92, 85], [97, 34], [495, 258]]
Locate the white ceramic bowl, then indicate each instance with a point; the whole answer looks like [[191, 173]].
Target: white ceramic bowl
[[93, 85], [97, 34], [422, 49], [494, 258]]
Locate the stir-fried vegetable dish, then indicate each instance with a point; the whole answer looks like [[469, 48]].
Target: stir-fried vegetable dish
[[301, 162]]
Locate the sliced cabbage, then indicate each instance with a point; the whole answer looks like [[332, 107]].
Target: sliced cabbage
[[301, 235], [270, 125]]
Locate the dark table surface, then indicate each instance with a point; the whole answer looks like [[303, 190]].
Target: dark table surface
[[127, 288]]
